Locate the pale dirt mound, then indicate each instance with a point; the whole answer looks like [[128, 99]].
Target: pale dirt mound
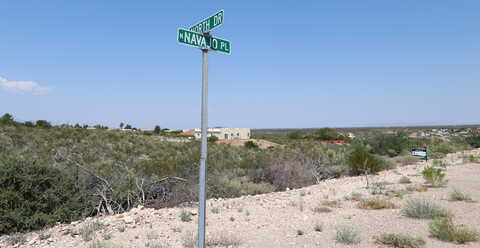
[[262, 144], [274, 220]]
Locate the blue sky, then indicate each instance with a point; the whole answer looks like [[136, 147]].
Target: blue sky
[[293, 63]]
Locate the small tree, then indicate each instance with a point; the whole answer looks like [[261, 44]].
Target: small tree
[[157, 129], [128, 126], [43, 124], [294, 135], [121, 125], [326, 134], [7, 119], [361, 162], [29, 124]]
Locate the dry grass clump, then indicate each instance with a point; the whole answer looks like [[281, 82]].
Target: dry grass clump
[[347, 235], [376, 203], [444, 229], [322, 210], [459, 196], [89, 229], [185, 216], [333, 203], [354, 196], [16, 239], [416, 188], [404, 180], [222, 240], [399, 241], [423, 209], [98, 244]]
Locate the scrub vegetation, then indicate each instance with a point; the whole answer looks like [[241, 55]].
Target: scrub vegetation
[[79, 171]]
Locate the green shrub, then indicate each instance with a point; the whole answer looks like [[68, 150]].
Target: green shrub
[[473, 139], [423, 209], [185, 216], [300, 232], [444, 229], [434, 176], [360, 161], [34, 195], [212, 139], [347, 235], [400, 241], [16, 239], [250, 145], [389, 144], [456, 195], [318, 228]]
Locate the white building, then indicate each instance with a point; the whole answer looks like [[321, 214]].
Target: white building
[[223, 133]]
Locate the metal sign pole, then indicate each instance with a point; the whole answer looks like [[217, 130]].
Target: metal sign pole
[[203, 152]]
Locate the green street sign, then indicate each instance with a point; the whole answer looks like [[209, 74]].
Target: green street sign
[[209, 23], [198, 40], [220, 45], [192, 38]]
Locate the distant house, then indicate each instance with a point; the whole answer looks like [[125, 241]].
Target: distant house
[[222, 133]]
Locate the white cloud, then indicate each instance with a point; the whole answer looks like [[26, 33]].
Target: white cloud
[[23, 87]]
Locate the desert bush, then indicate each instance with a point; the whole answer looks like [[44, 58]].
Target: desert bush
[[35, 195], [416, 188], [16, 239], [99, 244], [439, 163], [456, 195], [473, 139], [354, 196], [360, 161], [389, 144], [89, 229], [321, 210], [423, 209], [222, 240], [434, 176], [404, 180], [189, 239], [318, 227], [400, 241], [375, 203], [250, 145], [300, 232], [347, 235], [212, 139], [185, 216], [444, 229]]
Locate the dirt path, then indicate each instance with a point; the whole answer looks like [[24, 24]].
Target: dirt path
[[274, 220]]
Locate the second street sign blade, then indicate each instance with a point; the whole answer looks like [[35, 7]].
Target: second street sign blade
[[209, 23], [220, 45]]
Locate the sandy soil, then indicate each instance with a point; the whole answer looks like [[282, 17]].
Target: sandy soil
[[272, 220]]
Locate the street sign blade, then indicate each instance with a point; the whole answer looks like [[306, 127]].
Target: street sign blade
[[195, 39], [220, 45], [192, 38], [209, 23]]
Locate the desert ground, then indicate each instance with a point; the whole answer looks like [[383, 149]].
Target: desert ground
[[283, 219]]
